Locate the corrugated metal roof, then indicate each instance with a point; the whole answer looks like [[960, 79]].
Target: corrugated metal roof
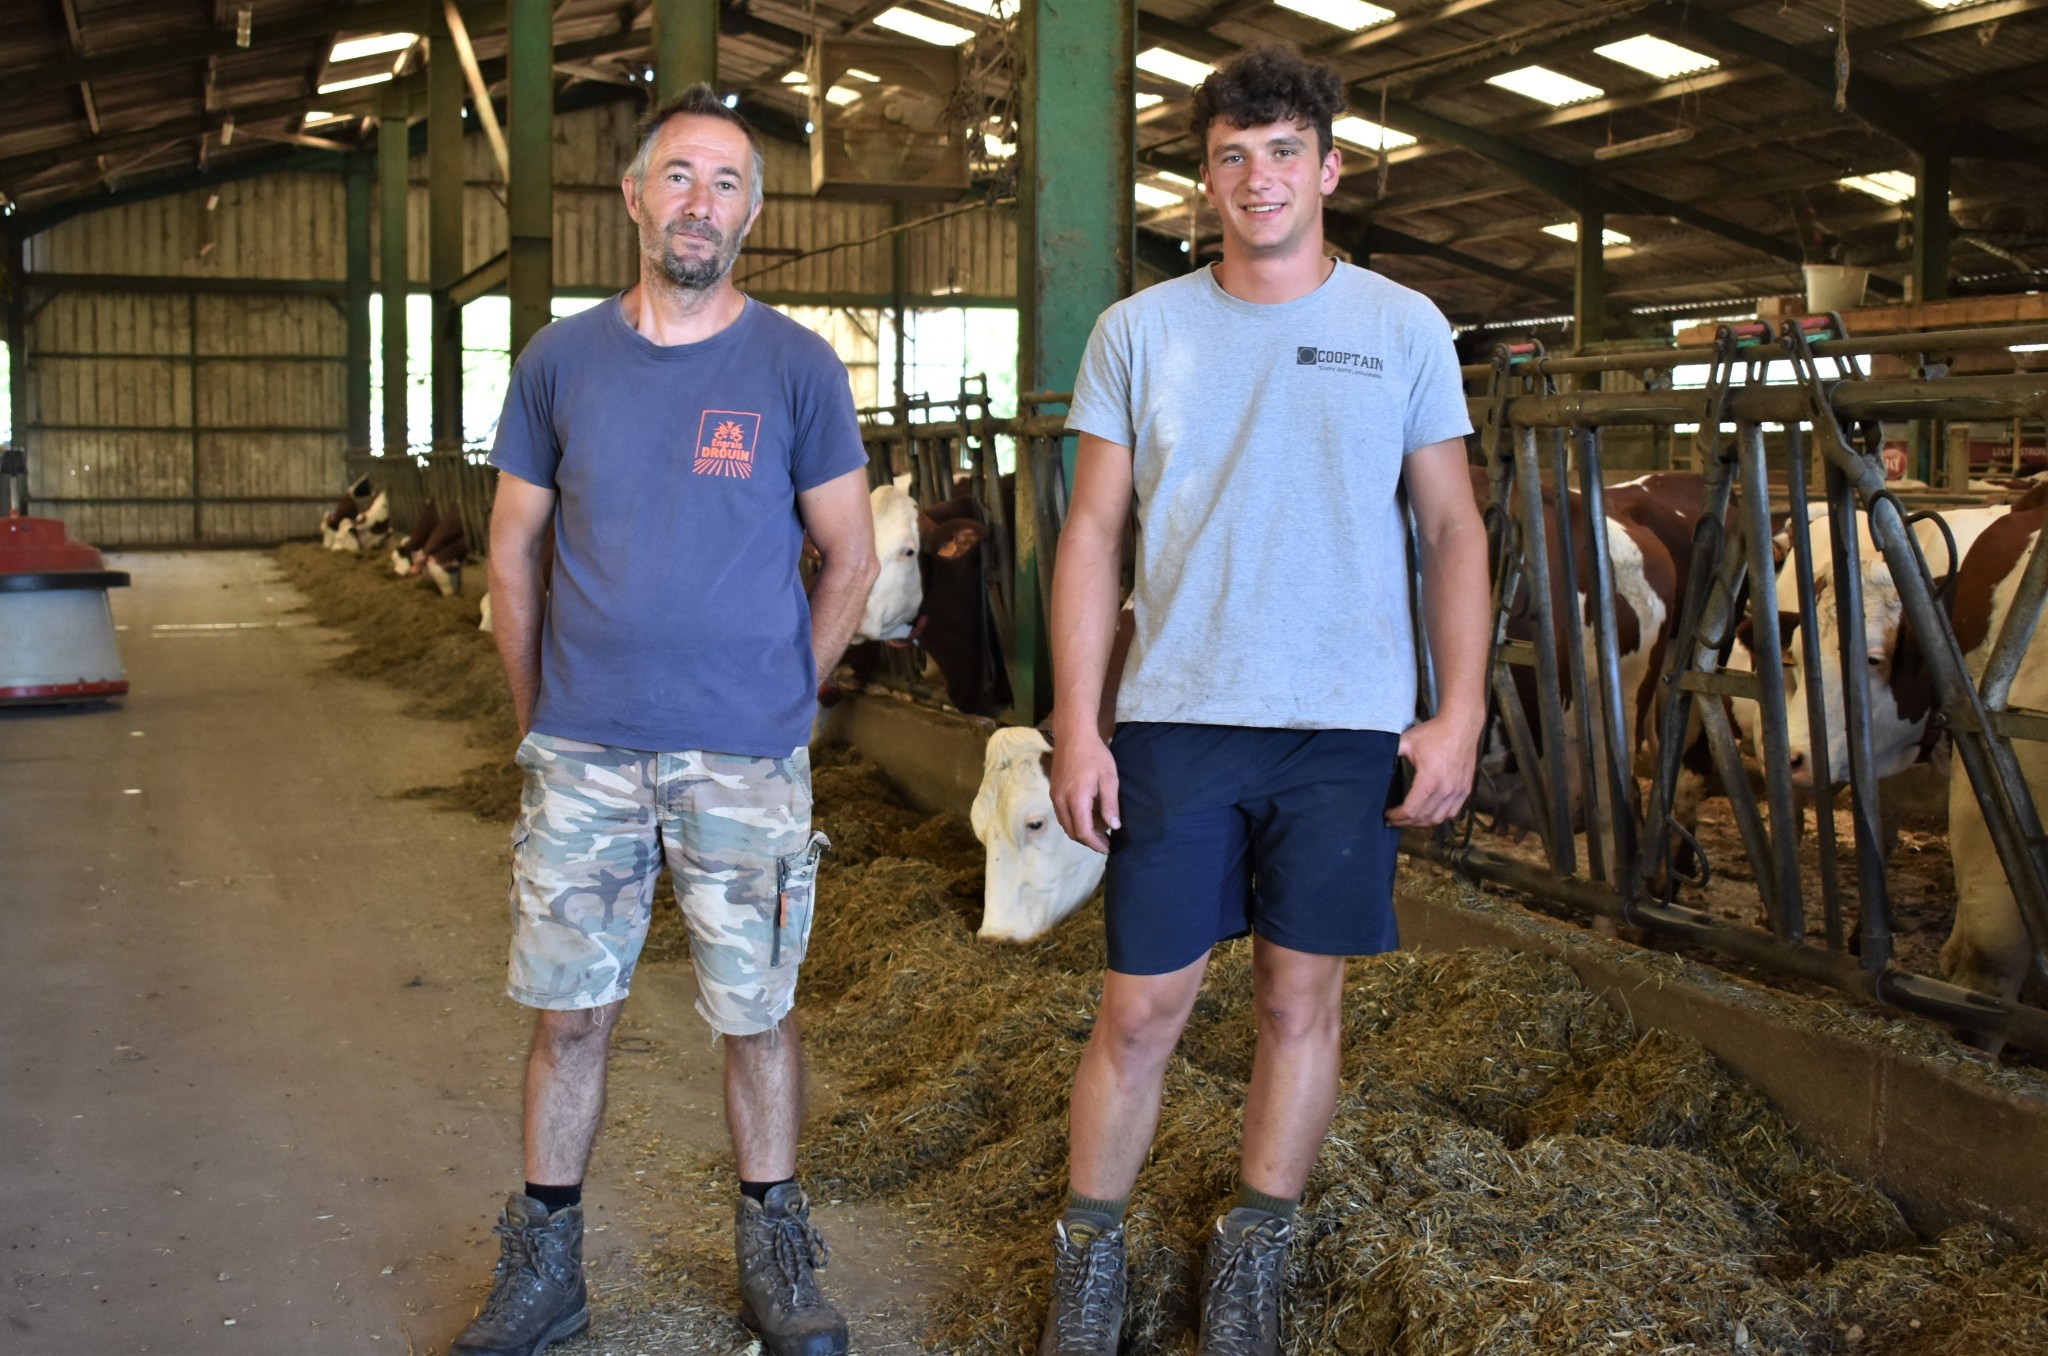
[[1764, 154]]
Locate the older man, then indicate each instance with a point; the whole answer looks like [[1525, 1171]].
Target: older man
[[676, 441]]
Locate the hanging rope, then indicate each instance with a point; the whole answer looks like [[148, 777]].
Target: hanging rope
[[1381, 191], [1842, 60]]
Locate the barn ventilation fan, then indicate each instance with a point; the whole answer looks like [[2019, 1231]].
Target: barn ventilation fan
[[886, 121]]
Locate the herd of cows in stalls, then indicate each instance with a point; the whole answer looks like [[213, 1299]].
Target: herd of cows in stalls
[[932, 594]]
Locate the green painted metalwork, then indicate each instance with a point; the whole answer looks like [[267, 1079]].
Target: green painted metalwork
[[444, 230], [17, 339], [685, 46], [530, 147], [392, 155], [1589, 279], [1075, 154], [357, 302]]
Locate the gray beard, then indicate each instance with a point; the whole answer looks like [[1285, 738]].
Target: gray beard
[[690, 273]]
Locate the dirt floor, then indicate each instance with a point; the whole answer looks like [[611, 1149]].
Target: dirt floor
[[261, 1082], [1514, 1169]]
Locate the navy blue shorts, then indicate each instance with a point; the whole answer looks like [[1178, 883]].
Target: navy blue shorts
[[1228, 830]]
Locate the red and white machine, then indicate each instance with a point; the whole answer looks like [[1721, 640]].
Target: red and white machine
[[56, 626]]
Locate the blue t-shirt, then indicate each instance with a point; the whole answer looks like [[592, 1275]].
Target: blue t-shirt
[[676, 618]]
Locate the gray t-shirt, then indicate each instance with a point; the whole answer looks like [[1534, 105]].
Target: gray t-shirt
[[1267, 445]]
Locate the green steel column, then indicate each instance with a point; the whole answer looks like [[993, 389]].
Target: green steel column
[[530, 202], [1076, 152], [392, 264], [1930, 221], [1589, 280], [358, 377], [444, 231], [685, 46], [17, 343], [1930, 261]]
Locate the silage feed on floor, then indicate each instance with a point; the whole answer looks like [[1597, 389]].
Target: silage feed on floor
[[1513, 1168]]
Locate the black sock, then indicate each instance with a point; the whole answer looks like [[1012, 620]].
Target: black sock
[[759, 1190], [556, 1197]]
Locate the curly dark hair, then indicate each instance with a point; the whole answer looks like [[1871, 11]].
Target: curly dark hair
[[1270, 83]]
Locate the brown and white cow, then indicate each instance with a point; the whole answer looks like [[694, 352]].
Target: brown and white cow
[[1988, 949], [1646, 596], [1901, 694]]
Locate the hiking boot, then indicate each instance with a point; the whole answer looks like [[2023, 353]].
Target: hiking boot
[[1241, 1279], [778, 1253], [537, 1297], [1089, 1287]]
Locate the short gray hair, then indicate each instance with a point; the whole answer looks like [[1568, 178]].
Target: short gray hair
[[698, 101]]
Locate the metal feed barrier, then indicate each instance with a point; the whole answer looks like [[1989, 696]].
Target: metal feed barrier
[[1635, 852]]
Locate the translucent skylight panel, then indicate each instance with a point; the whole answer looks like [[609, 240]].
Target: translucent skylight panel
[[1367, 135], [1351, 15], [1149, 196], [794, 78], [1173, 66], [377, 44], [1546, 86], [1890, 185], [335, 87], [1145, 101], [315, 117], [1654, 56], [842, 96], [911, 24], [1177, 180], [1569, 230]]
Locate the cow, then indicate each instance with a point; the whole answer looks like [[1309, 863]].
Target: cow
[[959, 626], [1035, 875], [1988, 949], [403, 555], [1646, 598], [898, 593], [1901, 692]]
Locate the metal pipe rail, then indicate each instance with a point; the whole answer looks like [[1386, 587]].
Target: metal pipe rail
[[1923, 341], [1582, 771]]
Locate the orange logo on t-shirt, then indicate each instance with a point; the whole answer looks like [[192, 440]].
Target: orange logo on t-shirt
[[725, 443]]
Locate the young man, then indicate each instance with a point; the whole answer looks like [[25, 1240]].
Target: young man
[[676, 442], [1266, 415]]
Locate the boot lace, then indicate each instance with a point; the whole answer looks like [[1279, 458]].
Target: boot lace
[[518, 1256], [1085, 1278], [1246, 1288], [797, 1250]]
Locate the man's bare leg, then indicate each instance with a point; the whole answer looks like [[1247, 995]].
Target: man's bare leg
[[1295, 1069], [764, 1100], [1117, 1090], [565, 1084]]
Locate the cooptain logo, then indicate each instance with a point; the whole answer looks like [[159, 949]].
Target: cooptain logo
[[725, 443], [1359, 364]]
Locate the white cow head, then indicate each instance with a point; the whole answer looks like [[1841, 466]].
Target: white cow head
[[899, 588], [1900, 687], [1036, 875]]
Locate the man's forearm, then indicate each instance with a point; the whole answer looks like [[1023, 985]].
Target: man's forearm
[[1084, 607], [518, 598], [1457, 606], [838, 598]]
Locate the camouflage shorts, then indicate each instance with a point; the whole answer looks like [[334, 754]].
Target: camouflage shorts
[[594, 825]]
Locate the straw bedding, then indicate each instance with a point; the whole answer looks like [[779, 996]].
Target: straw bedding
[[1513, 1168]]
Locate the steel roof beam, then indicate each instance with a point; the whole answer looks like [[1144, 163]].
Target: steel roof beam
[[1905, 115]]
